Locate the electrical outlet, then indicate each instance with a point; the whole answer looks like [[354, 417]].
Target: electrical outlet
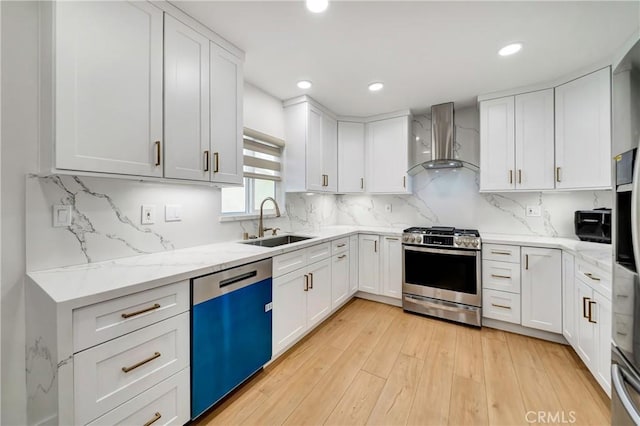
[[61, 216], [172, 213], [533, 211], [148, 214], [387, 208]]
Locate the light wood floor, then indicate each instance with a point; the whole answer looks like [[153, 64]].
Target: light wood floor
[[374, 364]]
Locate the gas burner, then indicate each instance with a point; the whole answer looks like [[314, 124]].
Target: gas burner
[[443, 236]]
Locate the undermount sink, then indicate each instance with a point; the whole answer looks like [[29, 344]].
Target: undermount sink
[[277, 241]]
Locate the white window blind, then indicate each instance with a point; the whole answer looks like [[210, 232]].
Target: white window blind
[[262, 155]]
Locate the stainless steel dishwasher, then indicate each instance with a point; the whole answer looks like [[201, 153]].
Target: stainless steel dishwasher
[[230, 331]]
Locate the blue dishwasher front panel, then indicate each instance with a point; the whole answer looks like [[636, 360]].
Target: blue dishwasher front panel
[[231, 340]]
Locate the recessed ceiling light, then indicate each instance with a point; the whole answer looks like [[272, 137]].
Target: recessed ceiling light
[[317, 6], [375, 87], [304, 84], [510, 49]]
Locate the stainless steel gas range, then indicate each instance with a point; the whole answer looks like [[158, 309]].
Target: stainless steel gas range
[[441, 273]]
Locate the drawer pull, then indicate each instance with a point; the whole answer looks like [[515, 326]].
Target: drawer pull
[[590, 275], [142, 311], [141, 363], [155, 418], [342, 257], [506, 253], [501, 306], [341, 245], [500, 276], [621, 334], [392, 239]]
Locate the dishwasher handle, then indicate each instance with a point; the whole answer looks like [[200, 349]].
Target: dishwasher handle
[[220, 283]]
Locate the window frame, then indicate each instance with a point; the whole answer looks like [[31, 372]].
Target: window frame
[[252, 211]]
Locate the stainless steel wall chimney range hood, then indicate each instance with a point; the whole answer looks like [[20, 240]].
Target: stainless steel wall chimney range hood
[[442, 138]]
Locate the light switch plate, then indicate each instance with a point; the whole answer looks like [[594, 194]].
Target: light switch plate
[[172, 213], [61, 216], [148, 214], [533, 211]]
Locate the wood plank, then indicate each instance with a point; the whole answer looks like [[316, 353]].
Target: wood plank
[[384, 355], [538, 393], [356, 404], [392, 408], [468, 402], [418, 339], [523, 351], [469, 363]]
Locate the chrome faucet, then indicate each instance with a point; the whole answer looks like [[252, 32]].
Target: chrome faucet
[[261, 227]]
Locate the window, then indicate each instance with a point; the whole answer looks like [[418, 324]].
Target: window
[[262, 166]]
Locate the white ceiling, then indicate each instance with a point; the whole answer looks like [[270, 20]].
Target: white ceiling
[[425, 52]]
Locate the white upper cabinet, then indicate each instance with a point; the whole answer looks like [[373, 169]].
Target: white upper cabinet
[[186, 102], [497, 144], [226, 120], [311, 157], [350, 157], [534, 141], [388, 155], [108, 87], [583, 132]]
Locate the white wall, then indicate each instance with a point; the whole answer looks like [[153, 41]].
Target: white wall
[[19, 141], [263, 112]]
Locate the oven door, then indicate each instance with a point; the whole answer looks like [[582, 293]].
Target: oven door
[[445, 274]]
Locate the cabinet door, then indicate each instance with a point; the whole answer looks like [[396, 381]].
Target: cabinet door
[[534, 130], [350, 149], [319, 294], [601, 314], [369, 264], [392, 267], [289, 309], [353, 264], [339, 278], [108, 87], [226, 82], [568, 298], [541, 289], [387, 155], [497, 142], [583, 132], [330, 153], [186, 102], [314, 149], [585, 330]]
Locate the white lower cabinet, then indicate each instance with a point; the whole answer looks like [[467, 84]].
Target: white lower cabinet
[[167, 403], [601, 314], [353, 264], [501, 305], [568, 298], [340, 278], [541, 289], [289, 309], [391, 267], [319, 293], [369, 263]]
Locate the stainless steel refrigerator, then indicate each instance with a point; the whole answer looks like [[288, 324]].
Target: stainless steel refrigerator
[[625, 356]]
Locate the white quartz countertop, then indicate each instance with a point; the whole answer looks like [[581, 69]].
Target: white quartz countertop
[[90, 283], [82, 285], [595, 253]]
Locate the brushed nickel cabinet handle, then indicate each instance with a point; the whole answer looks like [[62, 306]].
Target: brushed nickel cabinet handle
[[392, 238], [306, 282], [506, 253], [342, 257], [141, 363], [526, 261], [361, 183], [311, 280], [591, 303], [155, 418], [501, 306], [500, 276], [158, 154], [206, 161], [341, 245], [584, 307], [621, 334], [590, 275], [141, 311], [404, 182], [510, 176], [557, 174], [519, 176], [327, 180], [216, 162], [375, 246]]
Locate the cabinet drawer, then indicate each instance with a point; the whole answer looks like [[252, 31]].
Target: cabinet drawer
[[501, 305], [289, 262], [168, 402], [318, 252], [501, 253], [592, 275], [113, 318], [339, 246], [501, 276], [110, 374]]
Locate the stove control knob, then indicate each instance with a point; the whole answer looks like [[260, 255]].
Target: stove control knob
[[418, 239], [456, 241], [411, 238], [405, 238], [474, 243]]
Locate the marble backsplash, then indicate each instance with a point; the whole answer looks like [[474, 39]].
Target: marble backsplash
[[106, 219]]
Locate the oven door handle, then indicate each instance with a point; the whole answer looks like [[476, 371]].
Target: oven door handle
[[472, 253]]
